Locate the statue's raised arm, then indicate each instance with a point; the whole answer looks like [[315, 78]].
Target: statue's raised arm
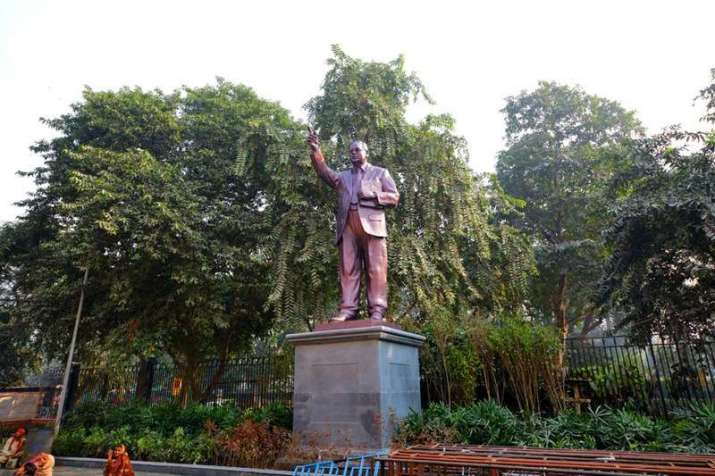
[[316, 158]]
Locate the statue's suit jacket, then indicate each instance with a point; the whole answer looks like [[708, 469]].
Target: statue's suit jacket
[[372, 211]]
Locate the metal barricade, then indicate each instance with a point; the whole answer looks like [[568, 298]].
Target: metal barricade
[[361, 465]]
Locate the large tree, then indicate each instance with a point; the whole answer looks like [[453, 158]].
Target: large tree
[[562, 147], [165, 199], [441, 241], [661, 273], [201, 220]]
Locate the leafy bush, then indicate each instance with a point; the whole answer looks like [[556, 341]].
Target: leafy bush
[[167, 432], [449, 363], [697, 425], [510, 360], [530, 355], [253, 444], [273, 414], [484, 422], [487, 422], [567, 430], [619, 381], [432, 425], [164, 418]]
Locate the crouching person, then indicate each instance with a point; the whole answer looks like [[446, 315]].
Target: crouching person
[[39, 465]]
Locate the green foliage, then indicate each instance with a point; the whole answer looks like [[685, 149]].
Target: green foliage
[[601, 428], [527, 354], [449, 363], [148, 445], [274, 414], [619, 381], [201, 220], [11, 355], [486, 422], [164, 418], [509, 359], [441, 240], [563, 146], [565, 430], [162, 432], [697, 424], [661, 271], [166, 199]]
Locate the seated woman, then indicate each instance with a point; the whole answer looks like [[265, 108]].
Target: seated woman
[[39, 465], [118, 463], [11, 452]]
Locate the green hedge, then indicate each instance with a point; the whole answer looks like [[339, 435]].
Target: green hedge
[[488, 423], [157, 433]]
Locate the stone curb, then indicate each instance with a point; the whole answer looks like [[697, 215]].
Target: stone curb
[[173, 468]]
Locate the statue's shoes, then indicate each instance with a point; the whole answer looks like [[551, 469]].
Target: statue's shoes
[[341, 317], [376, 317]]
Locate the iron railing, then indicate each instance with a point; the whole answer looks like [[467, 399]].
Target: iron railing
[[246, 382], [656, 378]]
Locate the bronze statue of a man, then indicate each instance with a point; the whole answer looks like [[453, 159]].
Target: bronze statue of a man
[[364, 191]]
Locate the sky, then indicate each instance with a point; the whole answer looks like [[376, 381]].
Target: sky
[[651, 56]]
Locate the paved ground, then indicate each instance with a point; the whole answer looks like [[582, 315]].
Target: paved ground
[[67, 471]]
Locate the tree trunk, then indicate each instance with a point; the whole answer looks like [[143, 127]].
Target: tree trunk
[[560, 305]]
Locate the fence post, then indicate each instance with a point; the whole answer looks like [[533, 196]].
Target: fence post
[[145, 380], [72, 385], [657, 376]]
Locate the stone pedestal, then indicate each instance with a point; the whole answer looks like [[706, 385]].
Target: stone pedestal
[[353, 382]]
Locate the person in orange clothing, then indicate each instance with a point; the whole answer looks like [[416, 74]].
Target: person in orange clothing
[[118, 463], [11, 452], [39, 465]]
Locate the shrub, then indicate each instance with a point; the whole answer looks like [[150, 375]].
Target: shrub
[[567, 430], [273, 414], [486, 423], [253, 444], [165, 432], [618, 381], [697, 425], [601, 428], [430, 426], [523, 355]]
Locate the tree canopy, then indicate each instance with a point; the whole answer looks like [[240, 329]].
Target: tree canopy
[[164, 198], [203, 225], [661, 269], [563, 147], [441, 240]]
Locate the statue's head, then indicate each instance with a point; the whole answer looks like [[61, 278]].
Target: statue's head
[[358, 152]]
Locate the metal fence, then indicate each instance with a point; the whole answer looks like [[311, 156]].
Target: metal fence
[[246, 382], [656, 378]]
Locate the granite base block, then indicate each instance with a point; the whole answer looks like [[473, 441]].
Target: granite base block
[[353, 384]]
